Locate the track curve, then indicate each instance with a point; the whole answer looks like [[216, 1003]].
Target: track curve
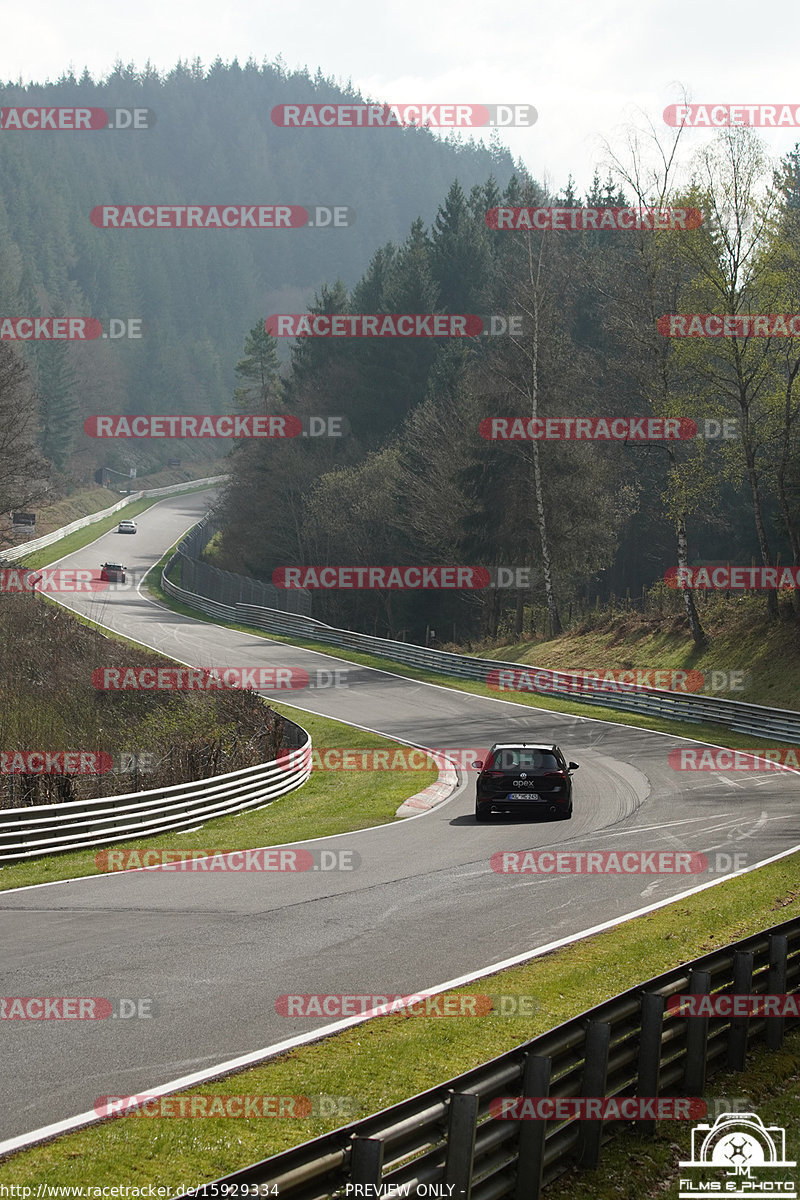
[[215, 951]]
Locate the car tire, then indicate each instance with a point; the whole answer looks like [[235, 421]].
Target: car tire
[[483, 812], [566, 815]]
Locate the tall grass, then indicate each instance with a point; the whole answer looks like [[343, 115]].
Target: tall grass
[[155, 738]]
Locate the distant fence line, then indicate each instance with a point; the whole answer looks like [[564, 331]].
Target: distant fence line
[[12, 553], [226, 588]]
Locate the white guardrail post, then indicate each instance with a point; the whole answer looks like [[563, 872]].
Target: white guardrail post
[[13, 553]]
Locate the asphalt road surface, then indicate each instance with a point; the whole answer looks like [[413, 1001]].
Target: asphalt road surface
[[214, 951]]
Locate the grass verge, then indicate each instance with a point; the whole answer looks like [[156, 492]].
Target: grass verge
[[331, 802], [635, 1167], [379, 1063], [72, 507], [82, 537], [746, 657]]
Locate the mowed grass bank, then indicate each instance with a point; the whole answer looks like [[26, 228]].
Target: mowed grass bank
[[747, 658], [379, 1063], [331, 802]]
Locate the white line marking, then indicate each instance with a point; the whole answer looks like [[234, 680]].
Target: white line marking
[[256, 1056], [663, 825], [303, 1039]]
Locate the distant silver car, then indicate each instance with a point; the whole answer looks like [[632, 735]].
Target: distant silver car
[[126, 527]]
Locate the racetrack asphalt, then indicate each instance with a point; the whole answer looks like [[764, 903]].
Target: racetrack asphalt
[[215, 950]]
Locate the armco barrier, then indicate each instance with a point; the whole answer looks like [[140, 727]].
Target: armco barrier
[[754, 719], [220, 590], [16, 552], [631, 1045], [27, 833]]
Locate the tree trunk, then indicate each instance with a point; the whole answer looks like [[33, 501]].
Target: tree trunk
[[552, 606], [766, 557], [547, 570], [494, 614], [698, 634], [519, 620], [789, 523]]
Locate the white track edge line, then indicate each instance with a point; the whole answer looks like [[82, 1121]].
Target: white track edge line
[[255, 1057]]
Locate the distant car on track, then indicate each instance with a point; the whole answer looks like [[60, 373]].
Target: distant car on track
[[126, 527], [524, 777], [112, 572]]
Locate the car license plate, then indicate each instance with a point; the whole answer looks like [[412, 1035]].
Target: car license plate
[[523, 796]]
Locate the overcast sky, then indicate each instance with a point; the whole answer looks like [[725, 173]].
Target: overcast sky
[[586, 66]]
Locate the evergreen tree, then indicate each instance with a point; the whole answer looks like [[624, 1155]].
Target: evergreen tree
[[258, 371], [460, 254], [59, 406]]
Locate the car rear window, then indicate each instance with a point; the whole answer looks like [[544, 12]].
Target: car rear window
[[522, 758]]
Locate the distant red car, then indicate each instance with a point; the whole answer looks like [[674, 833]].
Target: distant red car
[[112, 572]]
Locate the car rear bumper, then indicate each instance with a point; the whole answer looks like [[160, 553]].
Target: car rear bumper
[[544, 805]]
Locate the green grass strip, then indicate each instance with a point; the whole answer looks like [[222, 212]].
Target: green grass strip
[[82, 537], [331, 802], [377, 1064]]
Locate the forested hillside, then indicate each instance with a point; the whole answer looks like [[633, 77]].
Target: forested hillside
[[417, 481], [195, 291], [414, 480]]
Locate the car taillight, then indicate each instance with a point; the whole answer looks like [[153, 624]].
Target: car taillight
[[555, 775], [495, 774]]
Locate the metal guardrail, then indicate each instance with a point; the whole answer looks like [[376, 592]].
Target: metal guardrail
[[755, 719], [12, 553], [226, 588], [631, 1045], [743, 718], [27, 833], [42, 829]]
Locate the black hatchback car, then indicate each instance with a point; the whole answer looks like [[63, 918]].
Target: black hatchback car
[[524, 777]]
